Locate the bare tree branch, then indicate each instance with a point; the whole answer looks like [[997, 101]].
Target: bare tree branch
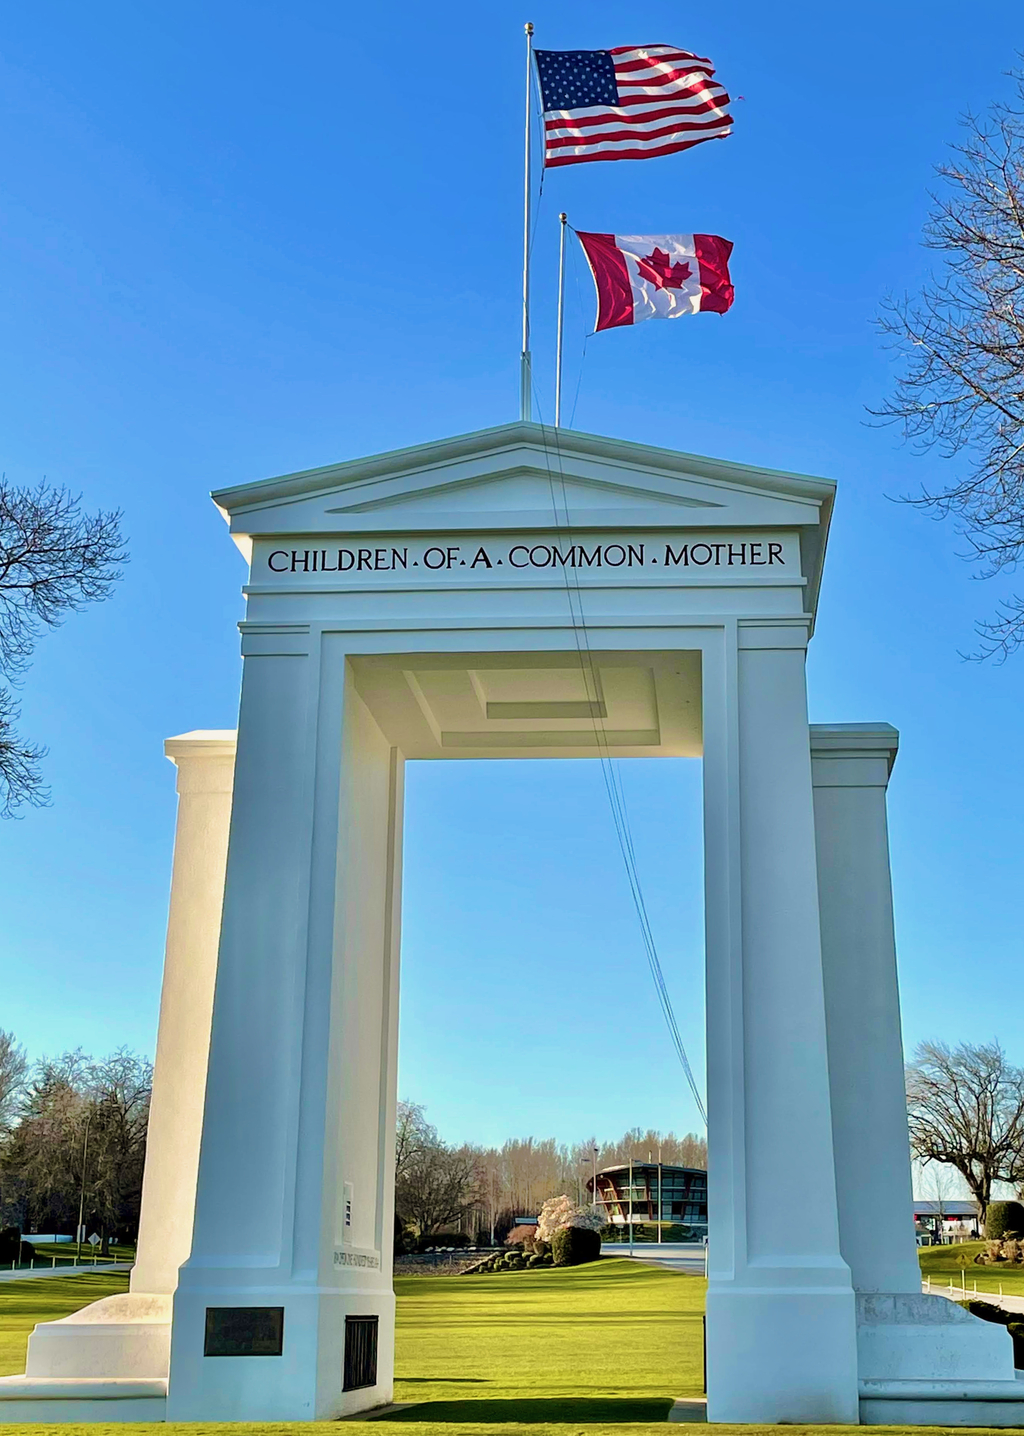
[[965, 1108], [962, 344], [53, 561], [13, 1069]]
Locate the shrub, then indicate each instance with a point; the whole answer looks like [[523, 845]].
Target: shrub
[[1000, 1317], [994, 1251], [1012, 1249], [1004, 1219], [12, 1248], [443, 1239], [535, 1260], [574, 1245], [1016, 1330], [541, 1248]]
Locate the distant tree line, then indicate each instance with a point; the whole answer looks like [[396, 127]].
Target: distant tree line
[[73, 1138], [479, 1191]]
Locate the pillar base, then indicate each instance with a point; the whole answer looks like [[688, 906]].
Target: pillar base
[[58, 1400], [942, 1403], [304, 1383], [911, 1337], [124, 1336], [782, 1356]]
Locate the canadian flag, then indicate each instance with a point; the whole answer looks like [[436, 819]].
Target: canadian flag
[[657, 276]]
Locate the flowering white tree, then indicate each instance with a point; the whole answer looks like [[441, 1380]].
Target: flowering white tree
[[559, 1212]]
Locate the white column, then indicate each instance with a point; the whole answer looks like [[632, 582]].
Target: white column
[[292, 1198], [129, 1335], [780, 1311], [205, 762], [851, 766]]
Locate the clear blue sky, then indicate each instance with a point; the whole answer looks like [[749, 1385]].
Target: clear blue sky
[[245, 239]]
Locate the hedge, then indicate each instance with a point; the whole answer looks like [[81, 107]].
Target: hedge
[[572, 1246], [1004, 1219]]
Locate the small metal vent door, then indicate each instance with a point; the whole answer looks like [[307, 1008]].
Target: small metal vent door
[[360, 1352]]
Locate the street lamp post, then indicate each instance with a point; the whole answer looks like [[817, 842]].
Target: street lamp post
[[659, 1195], [631, 1206], [81, 1199]]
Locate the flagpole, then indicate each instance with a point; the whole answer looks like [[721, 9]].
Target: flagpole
[[525, 376], [561, 312]]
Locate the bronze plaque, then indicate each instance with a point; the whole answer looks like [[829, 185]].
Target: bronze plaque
[[244, 1331]]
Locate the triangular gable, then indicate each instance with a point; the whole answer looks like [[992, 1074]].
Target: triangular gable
[[529, 477]]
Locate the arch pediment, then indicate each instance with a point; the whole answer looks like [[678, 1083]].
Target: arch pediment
[[526, 477]]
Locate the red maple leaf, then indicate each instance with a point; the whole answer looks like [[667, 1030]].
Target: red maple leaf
[[661, 272]]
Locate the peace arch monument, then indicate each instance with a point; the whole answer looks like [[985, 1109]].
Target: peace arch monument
[[519, 592]]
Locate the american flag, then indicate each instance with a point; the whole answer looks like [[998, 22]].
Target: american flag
[[627, 104]]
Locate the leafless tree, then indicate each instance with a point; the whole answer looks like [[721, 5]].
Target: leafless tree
[[119, 1094], [13, 1067], [965, 1107], [413, 1134], [54, 559], [686, 1151], [439, 1187], [82, 1128], [962, 343], [42, 1160]]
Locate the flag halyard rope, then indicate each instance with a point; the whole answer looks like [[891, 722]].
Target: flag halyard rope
[[611, 775]]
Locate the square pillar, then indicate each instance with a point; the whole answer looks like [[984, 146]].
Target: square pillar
[[293, 1219], [902, 1335], [205, 762], [781, 1342], [851, 763]]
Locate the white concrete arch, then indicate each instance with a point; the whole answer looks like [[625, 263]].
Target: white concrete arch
[[427, 603]]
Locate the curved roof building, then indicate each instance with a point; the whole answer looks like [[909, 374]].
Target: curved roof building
[[683, 1194]]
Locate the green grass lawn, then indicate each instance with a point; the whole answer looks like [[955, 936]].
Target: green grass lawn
[[600, 1349], [943, 1263], [611, 1341]]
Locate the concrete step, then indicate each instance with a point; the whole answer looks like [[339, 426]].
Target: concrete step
[[58, 1399], [942, 1403]]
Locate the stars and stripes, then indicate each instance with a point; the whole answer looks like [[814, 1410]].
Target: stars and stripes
[[630, 103]]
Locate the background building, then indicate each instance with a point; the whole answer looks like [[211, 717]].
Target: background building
[[946, 1221], [683, 1195]]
